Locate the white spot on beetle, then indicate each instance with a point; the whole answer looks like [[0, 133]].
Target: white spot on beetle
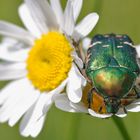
[[95, 43], [119, 46], [119, 36], [128, 43], [106, 46]]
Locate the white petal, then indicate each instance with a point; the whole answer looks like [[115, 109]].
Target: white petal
[[57, 90], [133, 108], [62, 103], [121, 113], [37, 15], [37, 127], [28, 21], [79, 107], [85, 26], [86, 42], [77, 8], [74, 89], [14, 56], [10, 71], [74, 95], [31, 118], [12, 75], [8, 41], [136, 102], [17, 91], [138, 50], [43, 14], [23, 106], [78, 61], [69, 18], [7, 108], [82, 78], [8, 91], [56, 6], [14, 31], [93, 113], [4, 66], [13, 53]]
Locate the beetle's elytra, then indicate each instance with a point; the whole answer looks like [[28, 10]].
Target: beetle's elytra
[[111, 66]]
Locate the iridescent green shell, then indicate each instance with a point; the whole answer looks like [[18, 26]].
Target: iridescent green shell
[[111, 65]]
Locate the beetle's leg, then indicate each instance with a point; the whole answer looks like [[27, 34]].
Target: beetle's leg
[[125, 111], [82, 71], [90, 97], [79, 50], [100, 108], [137, 87], [96, 101], [137, 91], [81, 55], [132, 96]]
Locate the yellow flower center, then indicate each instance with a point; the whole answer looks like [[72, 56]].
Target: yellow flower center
[[49, 61]]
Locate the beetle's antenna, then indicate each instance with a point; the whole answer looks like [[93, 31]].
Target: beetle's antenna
[[81, 55], [82, 71], [79, 50]]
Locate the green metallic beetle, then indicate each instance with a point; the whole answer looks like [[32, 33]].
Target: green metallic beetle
[[111, 66]]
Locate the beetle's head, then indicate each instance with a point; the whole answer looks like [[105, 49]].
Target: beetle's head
[[112, 104]]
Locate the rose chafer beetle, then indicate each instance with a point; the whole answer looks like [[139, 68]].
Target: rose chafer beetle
[[112, 68]]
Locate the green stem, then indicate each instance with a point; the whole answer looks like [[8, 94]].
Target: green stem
[[121, 127], [75, 125]]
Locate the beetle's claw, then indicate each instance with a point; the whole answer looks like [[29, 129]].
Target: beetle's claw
[[90, 97]]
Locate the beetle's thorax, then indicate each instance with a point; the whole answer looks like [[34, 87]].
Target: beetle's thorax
[[111, 51]]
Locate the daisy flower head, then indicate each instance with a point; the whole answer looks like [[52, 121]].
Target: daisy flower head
[[93, 102], [41, 61]]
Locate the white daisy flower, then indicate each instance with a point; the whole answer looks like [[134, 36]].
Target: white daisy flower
[[86, 43], [131, 105], [41, 61]]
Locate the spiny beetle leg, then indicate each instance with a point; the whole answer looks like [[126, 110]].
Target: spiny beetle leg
[[125, 111], [137, 91], [90, 97]]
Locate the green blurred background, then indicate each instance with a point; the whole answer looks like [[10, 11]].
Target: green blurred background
[[116, 16]]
